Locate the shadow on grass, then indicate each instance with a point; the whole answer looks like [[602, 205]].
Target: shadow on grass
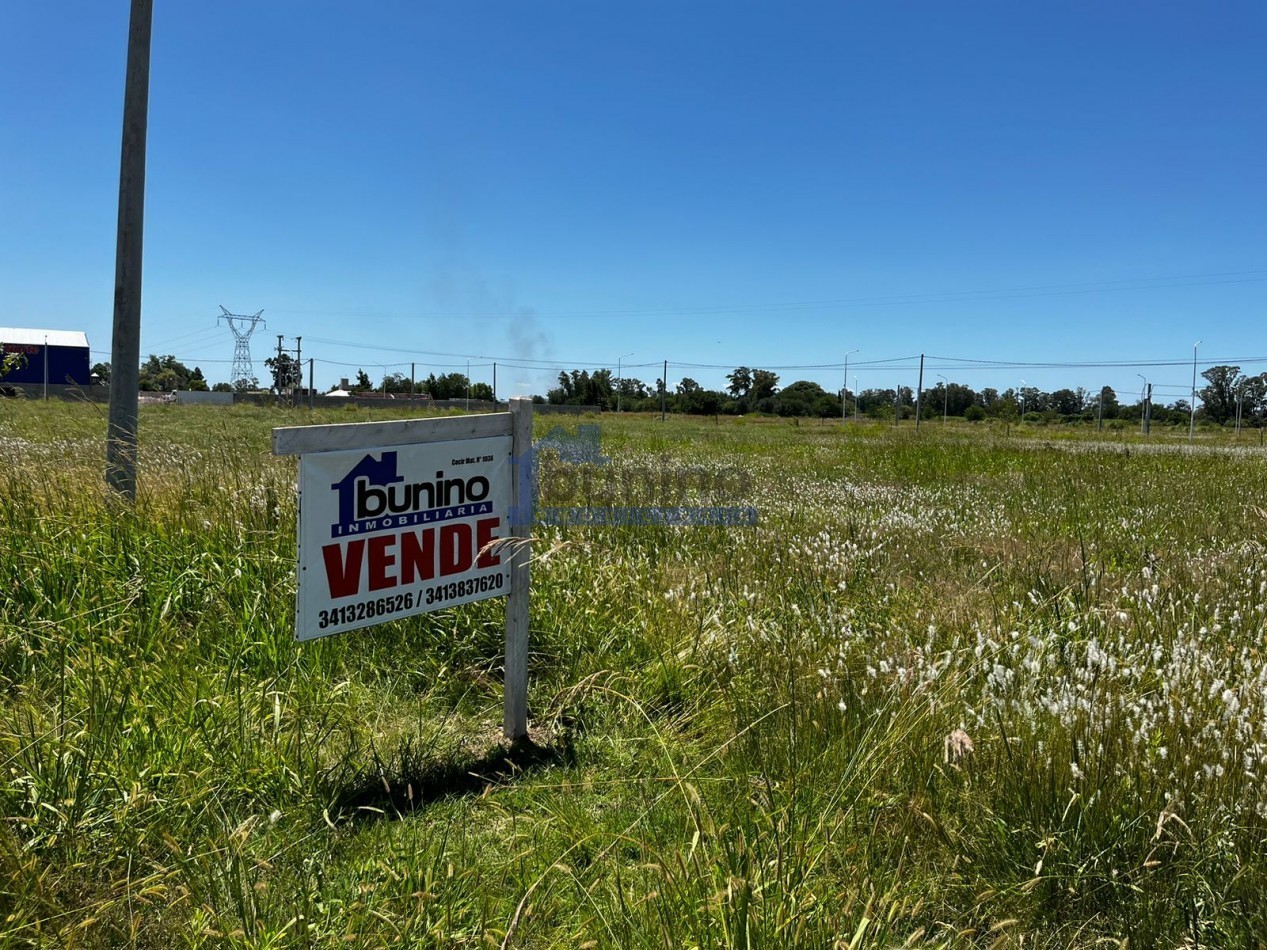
[[413, 780]]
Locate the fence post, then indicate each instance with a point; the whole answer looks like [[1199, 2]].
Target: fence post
[[515, 716]]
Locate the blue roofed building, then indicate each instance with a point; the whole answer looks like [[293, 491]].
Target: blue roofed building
[[58, 357]]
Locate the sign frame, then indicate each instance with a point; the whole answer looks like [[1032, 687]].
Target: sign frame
[[516, 547]]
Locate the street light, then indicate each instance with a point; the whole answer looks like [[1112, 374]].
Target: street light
[[1192, 408], [945, 396], [845, 392], [618, 377]]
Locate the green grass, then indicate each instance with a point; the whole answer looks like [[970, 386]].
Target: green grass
[[740, 733]]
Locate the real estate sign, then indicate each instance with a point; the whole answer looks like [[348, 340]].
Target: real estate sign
[[400, 530], [406, 517]]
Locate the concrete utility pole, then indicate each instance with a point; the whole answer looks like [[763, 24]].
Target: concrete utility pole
[[919, 393], [1192, 409], [619, 359], [845, 392], [664, 388], [125, 346], [1145, 395]]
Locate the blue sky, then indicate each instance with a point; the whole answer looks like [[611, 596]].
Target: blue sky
[[712, 183]]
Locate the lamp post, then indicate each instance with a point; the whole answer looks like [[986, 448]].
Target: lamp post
[[618, 379], [945, 397], [1192, 408], [845, 392]]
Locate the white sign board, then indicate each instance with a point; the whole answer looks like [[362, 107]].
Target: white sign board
[[404, 517], [399, 530]]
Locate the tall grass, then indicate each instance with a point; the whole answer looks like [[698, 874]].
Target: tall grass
[[740, 733]]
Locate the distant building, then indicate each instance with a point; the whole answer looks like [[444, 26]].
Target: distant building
[[67, 356]]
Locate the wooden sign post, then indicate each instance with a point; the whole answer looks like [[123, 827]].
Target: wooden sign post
[[408, 517]]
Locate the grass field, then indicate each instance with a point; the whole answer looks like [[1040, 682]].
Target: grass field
[[743, 736]]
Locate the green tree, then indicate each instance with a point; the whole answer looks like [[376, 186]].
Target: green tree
[[1108, 402], [363, 384], [166, 374], [446, 386], [395, 383], [1219, 397], [804, 398], [764, 384], [740, 382], [287, 373], [1065, 401], [10, 362], [101, 371]]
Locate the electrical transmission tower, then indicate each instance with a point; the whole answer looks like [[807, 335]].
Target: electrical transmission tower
[[242, 326]]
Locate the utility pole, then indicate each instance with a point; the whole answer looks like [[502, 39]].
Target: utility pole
[[125, 345], [1099, 412], [494, 386], [664, 388], [845, 391], [312, 393], [298, 375], [1192, 409], [945, 397], [919, 393], [1143, 405], [619, 377]]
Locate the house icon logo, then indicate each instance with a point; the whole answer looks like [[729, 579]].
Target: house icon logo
[[375, 472]]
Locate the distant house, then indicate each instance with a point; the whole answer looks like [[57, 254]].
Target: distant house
[[67, 356]]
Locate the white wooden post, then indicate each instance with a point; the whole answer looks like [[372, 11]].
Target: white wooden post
[[515, 719]]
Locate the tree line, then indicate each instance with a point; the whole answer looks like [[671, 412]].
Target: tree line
[[1227, 392], [1227, 395]]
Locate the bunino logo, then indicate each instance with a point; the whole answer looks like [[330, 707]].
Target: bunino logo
[[374, 496]]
